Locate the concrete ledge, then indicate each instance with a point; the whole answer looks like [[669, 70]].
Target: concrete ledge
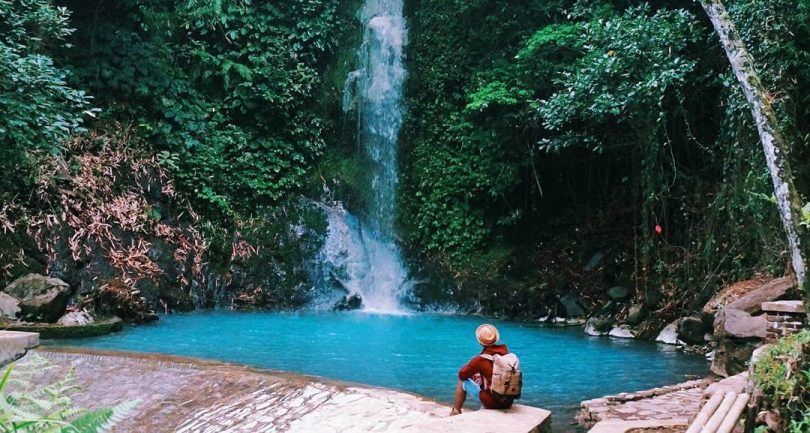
[[14, 344], [53, 331], [616, 426], [517, 419]]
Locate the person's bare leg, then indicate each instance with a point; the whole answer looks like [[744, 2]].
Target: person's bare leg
[[458, 398]]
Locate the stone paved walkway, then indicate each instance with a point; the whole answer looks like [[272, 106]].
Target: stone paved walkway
[[194, 396], [680, 401]]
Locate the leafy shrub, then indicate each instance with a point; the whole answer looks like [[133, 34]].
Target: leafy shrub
[[31, 408], [783, 376], [39, 109]]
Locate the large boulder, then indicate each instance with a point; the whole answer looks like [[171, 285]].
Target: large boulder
[[572, 306], [42, 299], [739, 324], [9, 306], [619, 293], [691, 330]]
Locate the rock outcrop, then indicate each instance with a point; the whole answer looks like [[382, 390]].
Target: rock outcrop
[[740, 327], [42, 299], [739, 324], [691, 330]]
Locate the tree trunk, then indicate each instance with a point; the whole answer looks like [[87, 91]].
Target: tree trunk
[[773, 143]]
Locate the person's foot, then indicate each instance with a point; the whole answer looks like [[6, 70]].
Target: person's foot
[[454, 412]]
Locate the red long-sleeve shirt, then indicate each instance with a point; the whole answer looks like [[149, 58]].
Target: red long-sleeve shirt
[[483, 366]]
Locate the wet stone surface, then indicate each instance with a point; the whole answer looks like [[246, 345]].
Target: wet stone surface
[[664, 403], [182, 395]]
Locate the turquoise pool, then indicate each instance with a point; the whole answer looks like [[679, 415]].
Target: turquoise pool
[[419, 353]]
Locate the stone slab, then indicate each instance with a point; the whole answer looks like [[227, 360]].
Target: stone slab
[[28, 340], [784, 307], [518, 418], [664, 403]]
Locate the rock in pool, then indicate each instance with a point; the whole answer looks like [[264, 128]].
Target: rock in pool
[[669, 335], [598, 326], [349, 302], [621, 332]]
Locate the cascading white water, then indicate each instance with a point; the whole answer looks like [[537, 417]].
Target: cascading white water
[[362, 253]]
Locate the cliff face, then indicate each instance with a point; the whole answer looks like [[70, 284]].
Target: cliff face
[[106, 218]]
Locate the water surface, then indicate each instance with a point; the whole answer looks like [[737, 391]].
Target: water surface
[[418, 353]]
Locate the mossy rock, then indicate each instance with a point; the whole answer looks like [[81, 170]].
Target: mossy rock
[[49, 331]]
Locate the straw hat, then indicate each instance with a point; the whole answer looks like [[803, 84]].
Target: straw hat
[[487, 334]]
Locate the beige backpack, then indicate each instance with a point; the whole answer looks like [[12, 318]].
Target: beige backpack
[[507, 379]]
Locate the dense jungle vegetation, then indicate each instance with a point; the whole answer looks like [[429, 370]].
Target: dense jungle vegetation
[[550, 146]]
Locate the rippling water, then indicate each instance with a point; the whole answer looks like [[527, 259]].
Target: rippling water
[[419, 353]]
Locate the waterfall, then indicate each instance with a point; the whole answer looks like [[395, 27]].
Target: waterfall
[[361, 253]]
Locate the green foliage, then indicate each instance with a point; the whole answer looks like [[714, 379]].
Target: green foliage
[[630, 63], [226, 89], [26, 406], [527, 124], [783, 376], [39, 110], [464, 159]]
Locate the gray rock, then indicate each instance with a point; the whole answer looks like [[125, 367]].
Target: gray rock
[[599, 325], [739, 324], [691, 330], [42, 299], [75, 318], [9, 306], [636, 314], [669, 335], [572, 306], [349, 302], [619, 293], [731, 356], [591, 327], [621, 332]]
